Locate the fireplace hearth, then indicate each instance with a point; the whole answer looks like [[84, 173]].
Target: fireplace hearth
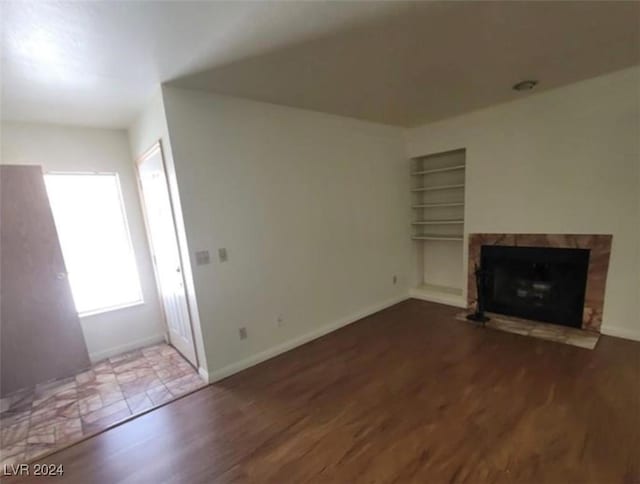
[[538, 283]]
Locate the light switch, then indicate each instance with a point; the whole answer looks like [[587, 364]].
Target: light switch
[[202, 257], [222, 255]]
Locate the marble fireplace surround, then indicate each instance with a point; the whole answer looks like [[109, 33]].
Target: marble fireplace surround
[[599, 245]]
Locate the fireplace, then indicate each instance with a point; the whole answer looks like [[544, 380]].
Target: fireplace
[[540, 283], [596, 246]]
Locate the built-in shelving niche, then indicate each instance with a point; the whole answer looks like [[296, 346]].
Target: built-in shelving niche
[[437, 193]]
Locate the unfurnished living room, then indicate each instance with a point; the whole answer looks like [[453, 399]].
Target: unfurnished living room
[[320, 241]]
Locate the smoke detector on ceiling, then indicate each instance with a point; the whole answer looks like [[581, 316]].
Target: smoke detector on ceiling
[[525, 85]]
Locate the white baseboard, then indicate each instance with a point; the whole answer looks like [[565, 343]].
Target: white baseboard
[[298, 341], [130, 346], [620, 332], [448, 300], [204, 374]]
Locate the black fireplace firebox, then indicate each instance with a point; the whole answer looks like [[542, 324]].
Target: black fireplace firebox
[[539, 283]]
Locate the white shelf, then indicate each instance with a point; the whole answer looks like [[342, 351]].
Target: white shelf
[[438, 222], [439, 187], [451, 296], [438, 170], [437, 205], [438, 237]]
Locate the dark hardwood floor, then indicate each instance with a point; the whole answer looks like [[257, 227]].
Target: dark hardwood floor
[[409, 394]]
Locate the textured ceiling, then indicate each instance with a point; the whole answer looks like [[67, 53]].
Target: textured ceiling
[[400, 63], [97, 63]]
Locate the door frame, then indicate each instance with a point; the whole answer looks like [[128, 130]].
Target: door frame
[[158, 146]]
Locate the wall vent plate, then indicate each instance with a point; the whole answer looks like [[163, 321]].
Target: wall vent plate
[[202, 257]]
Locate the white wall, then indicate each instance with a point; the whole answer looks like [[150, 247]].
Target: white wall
[[563, 161], [313, 210], [61, 148]]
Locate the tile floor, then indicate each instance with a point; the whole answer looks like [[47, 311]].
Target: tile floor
[[54, 414]]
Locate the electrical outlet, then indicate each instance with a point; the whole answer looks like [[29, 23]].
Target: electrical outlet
[[202, 257], [280, 321], [395, 279], [222, 255], [243, 333]]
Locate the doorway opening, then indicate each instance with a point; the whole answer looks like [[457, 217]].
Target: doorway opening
[[158, 210]]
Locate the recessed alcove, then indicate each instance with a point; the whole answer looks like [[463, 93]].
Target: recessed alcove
[[438, 193]]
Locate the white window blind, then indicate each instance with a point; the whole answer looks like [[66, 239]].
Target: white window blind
[[93, 232]]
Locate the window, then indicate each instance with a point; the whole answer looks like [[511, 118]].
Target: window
[[93, 232]]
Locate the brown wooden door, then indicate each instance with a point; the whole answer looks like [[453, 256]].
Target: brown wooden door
[[41, 337]]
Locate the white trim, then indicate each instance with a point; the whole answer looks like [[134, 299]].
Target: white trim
[[300, 340], [132, 345], [204, 374], [620, 332], [94, 312], [448, 300]]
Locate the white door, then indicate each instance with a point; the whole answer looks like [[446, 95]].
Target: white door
[[166, 253]]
